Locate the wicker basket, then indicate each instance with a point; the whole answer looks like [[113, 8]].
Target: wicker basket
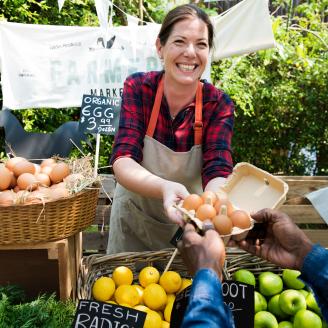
[[50, 221], [94, 266]]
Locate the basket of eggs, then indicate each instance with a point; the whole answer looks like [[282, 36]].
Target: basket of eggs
[[248, 189], [45, 202]]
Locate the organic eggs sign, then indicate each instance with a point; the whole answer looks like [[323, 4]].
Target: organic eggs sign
[[100, 114]]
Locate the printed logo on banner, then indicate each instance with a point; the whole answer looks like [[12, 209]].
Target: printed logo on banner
[[238, 297], [98, 314], [100, 114]]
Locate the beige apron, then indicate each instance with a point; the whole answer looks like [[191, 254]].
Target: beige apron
[[139, 223]]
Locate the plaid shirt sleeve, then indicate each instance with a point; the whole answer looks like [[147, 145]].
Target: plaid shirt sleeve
[[129, 139], [218, 120]]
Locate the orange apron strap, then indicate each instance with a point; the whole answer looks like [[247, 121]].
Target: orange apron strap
[[198, 125], [156, 108]]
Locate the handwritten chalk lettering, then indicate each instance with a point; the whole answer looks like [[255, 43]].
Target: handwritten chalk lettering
[[233, 290], [107, 129], [103, 315]]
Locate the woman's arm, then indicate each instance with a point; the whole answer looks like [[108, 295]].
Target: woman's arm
[[136, 178]]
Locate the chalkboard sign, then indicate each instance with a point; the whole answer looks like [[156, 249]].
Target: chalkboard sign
[[100, 114], [238, 297], [105, 315]]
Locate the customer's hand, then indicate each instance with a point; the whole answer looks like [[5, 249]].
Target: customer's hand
[[199, 252], [173, 193], [281, 243]]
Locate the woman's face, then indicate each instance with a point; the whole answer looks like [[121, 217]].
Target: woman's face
[[186, 51]]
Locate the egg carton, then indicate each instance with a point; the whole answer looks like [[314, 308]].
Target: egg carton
[[248, 188]]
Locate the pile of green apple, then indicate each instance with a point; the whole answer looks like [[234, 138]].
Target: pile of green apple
[[282, 300]]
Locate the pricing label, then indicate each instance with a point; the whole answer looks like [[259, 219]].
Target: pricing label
[[100, 114]]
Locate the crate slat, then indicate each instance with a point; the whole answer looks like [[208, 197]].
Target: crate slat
[[302, 213]]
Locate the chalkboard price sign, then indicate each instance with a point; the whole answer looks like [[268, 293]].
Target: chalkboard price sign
[[93, 314], [100, 114], [238, 297]]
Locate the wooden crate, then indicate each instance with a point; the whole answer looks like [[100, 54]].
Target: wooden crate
[[296, 206], [43, 267]]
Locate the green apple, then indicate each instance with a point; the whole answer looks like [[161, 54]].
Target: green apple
[[290, 279], [244, 276], [274, 307], [285, 324], [312, 303], [260, 303], [291, 301], [265, 319], [307, 319], [304, 292], [270, 283]]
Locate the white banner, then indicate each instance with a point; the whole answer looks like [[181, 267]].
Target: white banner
[[53, 66]]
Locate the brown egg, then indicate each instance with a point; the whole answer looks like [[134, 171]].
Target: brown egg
[[23, 167], [58, 185], [58, 193], [208, 197], [36, 197], [222, 222], [48, 162], [27, 181], [46, 169], [224, 201], [13, 181], [192, 202], [5, 177], [59, 172], [205, 212], [7, 198], [43, 179], [13, 161], [240, 219]]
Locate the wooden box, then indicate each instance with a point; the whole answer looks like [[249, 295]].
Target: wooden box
[[43, 267]]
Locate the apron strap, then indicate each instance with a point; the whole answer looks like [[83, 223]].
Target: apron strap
[[198, 124]]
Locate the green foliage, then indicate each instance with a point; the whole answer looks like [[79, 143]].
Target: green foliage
[[281, 96], [44, 312]]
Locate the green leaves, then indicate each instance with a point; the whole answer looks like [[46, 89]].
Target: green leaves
[[281, 96]]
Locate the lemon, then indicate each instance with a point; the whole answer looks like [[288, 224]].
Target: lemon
[[161, 314], [140, 291], [126, 295], [122, 275], [170, 298], [103, 289], [154, 297], [111, 302], [168, 310], [141, 307], [153, 320], [171, 281], [165, 324], [185, 283], [148, 275]]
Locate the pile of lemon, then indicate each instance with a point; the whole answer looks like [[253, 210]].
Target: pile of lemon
[[153, 293]]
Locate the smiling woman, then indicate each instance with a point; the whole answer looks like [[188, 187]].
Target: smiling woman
[[174, 136]]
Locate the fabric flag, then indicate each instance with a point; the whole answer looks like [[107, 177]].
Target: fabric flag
[[244, 28]]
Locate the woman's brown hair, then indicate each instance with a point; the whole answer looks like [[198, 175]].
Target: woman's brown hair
[[180, 13]]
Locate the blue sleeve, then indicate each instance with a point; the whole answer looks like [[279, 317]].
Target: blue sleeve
[[315, 275], [206, 308]]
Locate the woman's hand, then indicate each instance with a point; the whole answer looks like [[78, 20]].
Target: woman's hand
[[173, 193]]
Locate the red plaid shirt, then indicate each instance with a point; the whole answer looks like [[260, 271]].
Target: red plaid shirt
[[218, 117]]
